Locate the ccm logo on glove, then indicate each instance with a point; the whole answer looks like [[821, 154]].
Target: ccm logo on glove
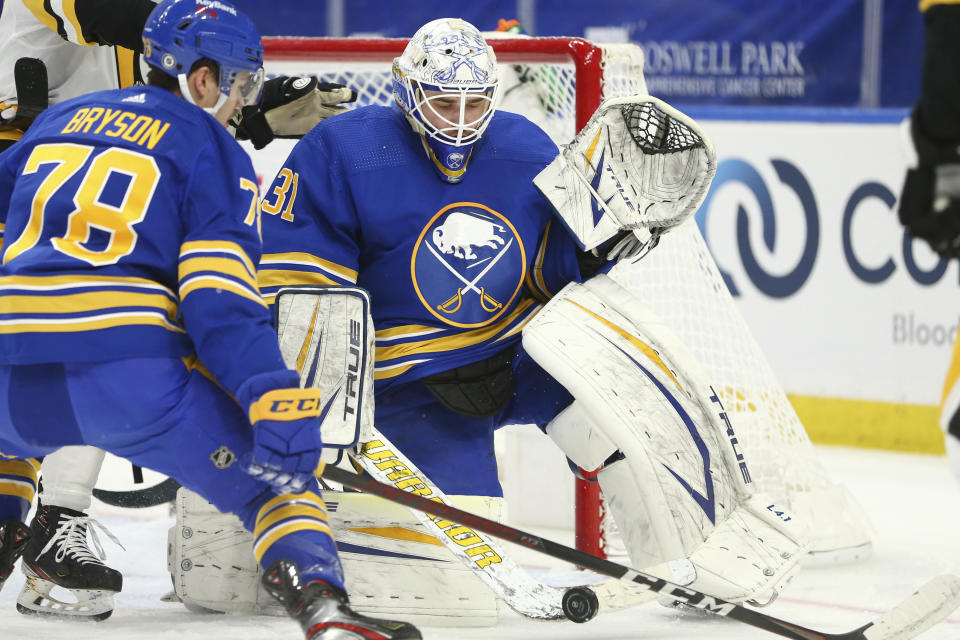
[[286, 404]]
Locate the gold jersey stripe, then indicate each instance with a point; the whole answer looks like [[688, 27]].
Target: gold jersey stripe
[[279, 278], [70, 325], [126, 59], [449, 343], [406, 330], [40, 13], [226, 266], [77, 281], [217, 246], [197, 283], [87, 301], [311, 260]]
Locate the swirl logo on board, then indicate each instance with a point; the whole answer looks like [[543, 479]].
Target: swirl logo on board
[[468, 265]]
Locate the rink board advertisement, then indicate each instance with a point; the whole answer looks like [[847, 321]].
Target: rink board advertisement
[[857, 319]]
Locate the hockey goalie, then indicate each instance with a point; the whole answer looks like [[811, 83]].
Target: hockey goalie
[[644, 415], [449, 224]]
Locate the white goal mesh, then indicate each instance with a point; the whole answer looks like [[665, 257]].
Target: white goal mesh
[[558, 83]]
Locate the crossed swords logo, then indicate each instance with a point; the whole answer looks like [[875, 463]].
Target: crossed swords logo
[[488, 302]]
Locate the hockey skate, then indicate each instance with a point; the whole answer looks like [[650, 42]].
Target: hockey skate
[[323, 611], [13, 539], [57, 556]]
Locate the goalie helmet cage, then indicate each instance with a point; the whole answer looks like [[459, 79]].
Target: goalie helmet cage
[[558, 83]]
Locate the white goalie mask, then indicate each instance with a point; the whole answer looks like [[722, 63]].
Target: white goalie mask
[[447, 85]]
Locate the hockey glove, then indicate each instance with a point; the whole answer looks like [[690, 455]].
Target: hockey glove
[[286, 431], [289, 108], [930, 202]]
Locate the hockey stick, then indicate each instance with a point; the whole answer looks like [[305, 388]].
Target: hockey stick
[[387, 465], [928, 606]]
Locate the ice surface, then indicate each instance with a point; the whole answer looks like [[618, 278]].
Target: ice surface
[[913, 501]]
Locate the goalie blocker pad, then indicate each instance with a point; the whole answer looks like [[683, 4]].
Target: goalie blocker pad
[[326, 335], [674, 478], [638, 164]]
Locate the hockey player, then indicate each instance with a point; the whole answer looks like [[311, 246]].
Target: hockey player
[[930, 201], [51, 52], [460, 220], [442, 190], [132, 225]]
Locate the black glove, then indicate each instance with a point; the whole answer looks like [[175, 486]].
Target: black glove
[[930, 202], [290, 107]]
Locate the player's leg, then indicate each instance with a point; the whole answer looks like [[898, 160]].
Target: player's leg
[[18, 484], [59, 553], [454, 451], [181, 424]]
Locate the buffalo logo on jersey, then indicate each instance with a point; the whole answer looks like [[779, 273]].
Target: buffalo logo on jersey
[[468, 265]]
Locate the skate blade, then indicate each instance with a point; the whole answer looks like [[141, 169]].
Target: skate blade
[[92, 605]]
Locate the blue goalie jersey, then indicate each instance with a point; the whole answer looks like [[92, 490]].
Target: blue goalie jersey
[[131, 229], [454, 271]]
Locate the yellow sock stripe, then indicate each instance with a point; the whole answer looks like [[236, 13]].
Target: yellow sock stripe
[[290, 511], [261, 546], [25, 468], [305, 497]]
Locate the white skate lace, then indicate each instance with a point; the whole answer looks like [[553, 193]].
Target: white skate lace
[[72, 537]]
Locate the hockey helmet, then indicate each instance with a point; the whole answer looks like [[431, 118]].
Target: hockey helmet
[[447, 58], [180, 32]]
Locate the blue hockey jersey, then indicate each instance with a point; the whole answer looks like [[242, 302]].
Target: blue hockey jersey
[[454, 271], [131, 229]]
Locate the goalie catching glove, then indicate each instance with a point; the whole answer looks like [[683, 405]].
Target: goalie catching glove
[[638, 169], [286, 430], [930, 202], [290, 108]]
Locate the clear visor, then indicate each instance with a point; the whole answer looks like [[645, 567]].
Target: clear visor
[[247, 85], [457, 116]]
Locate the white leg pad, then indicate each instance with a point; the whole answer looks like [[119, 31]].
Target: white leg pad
[[584, 444], [681, 487], [393, 567]]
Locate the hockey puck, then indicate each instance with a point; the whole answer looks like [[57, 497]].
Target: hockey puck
[[580, 604]]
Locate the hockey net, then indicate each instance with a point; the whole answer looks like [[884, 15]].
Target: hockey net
[[558, 83]]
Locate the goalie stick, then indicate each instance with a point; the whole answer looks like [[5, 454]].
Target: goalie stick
[[929, 605], [508, 580]]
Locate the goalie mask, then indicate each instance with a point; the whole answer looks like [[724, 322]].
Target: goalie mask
[[446, 83]]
